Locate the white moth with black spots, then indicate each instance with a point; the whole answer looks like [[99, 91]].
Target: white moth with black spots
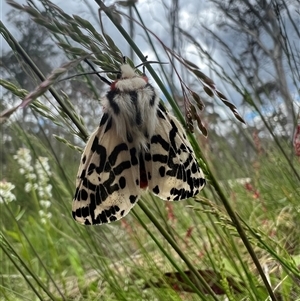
[[137, 146]]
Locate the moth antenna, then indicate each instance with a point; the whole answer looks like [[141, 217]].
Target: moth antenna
[[87, 73], [105, 80], [150, 62]]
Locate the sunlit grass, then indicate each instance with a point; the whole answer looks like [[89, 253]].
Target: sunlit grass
[[122, 258]]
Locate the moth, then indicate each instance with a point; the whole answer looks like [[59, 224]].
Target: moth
[[138, 146]]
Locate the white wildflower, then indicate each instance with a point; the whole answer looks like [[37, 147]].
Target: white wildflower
[[31, 176], [41, 192], [42, 168], [49, 215], [23, 153], [5, 192], [45, 204], [44, 216], [28, 187], [44, 164], [48, 190], [23, 158]]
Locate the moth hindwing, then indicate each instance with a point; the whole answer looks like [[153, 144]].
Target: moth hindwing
[[137, 146]]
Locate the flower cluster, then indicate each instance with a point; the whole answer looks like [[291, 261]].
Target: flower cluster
[[44, 188], [37, 176], [5, 192]]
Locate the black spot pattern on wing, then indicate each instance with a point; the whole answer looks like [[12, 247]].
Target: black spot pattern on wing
[[161, 109], [104, 119], [109, 124], [133, 199], [129, 137], [152, 99], [177, 173], [134, 99], [111, 97]]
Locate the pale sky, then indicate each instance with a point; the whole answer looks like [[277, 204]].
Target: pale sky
[[154, 15]]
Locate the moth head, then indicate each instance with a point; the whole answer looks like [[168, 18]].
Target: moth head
[[127, 71]]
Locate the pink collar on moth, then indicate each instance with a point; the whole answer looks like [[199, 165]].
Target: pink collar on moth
[[129, 80]]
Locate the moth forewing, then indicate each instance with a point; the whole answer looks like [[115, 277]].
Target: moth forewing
[[107, 180]]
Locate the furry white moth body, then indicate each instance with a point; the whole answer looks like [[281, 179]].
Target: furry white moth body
[[137, 146]]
